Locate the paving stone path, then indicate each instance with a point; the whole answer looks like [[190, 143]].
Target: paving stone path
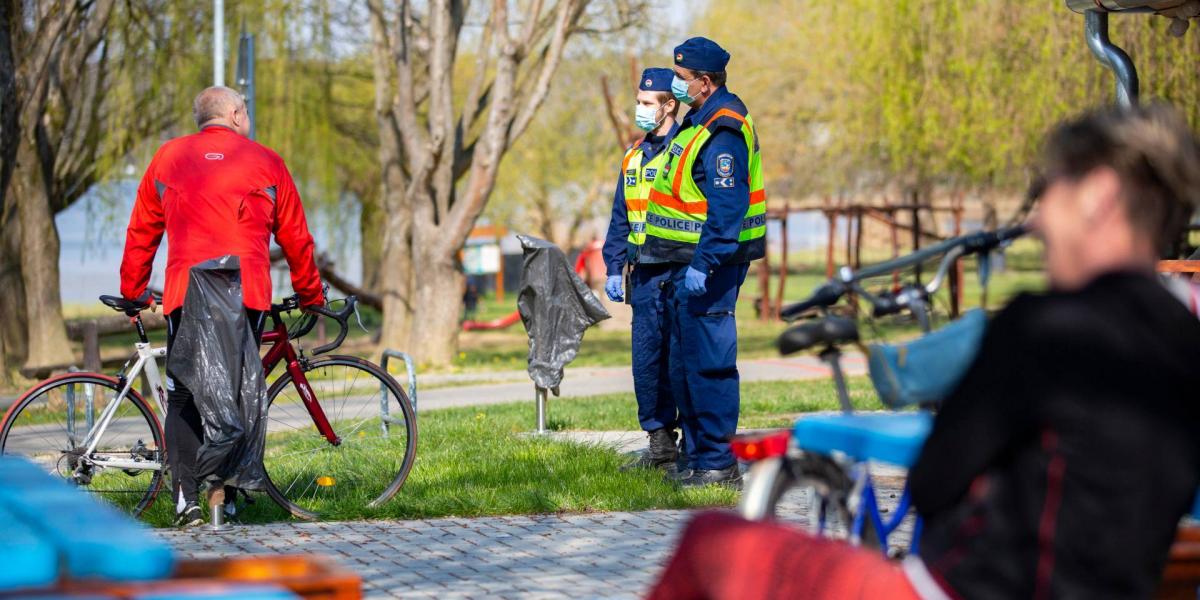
[[597, 555]]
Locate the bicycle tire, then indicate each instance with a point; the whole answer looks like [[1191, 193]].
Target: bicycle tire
[[769, 479], [11, 444], [273, 459]]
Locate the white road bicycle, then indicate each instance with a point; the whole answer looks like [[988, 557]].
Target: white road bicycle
[[339, 427]]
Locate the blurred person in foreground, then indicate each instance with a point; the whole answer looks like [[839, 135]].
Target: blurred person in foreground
[[1062, 463]]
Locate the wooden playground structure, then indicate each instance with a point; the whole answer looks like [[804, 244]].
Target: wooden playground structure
[[853, 215]]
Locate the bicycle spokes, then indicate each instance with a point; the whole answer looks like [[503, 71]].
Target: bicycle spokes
[[52, 426]]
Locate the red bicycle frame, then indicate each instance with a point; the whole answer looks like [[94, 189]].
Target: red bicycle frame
[[282, 350]]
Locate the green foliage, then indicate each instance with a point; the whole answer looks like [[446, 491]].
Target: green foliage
[[926, 92]]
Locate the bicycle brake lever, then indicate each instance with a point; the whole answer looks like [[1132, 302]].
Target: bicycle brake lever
[[358, 317]]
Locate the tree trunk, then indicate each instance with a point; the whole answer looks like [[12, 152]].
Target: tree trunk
[[395, 271], [371, 233], [39, 248], [438, 293], [13, 345]]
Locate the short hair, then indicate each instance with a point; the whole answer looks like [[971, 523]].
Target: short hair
[[1155, 154], [214, 102], [716, 77], [665, 97]]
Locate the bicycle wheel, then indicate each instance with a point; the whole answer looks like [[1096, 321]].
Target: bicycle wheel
[[810, 489], [311, 477], [50, 425]]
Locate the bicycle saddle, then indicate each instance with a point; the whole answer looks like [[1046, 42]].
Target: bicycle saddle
[[828, 331], [129, 307]]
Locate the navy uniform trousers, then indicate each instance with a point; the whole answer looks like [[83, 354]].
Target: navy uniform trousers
[[651, 379], [703, 365]]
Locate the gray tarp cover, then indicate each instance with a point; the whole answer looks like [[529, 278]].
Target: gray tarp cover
[[215, 355], [556, 307]]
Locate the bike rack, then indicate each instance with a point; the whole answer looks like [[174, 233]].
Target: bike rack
[[384, 417], [89, 407]]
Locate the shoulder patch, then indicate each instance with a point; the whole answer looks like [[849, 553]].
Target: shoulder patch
[[725, 165], [723, 182]]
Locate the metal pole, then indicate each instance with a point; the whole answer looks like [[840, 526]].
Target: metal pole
[[216, 508], [89, 405], [218, 42], [245, 76], [71, 414], [540, 394], [1111, 56]]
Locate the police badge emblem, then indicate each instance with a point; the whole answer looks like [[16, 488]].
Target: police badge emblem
[[724, 165]]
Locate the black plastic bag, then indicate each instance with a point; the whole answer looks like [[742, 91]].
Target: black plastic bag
[[556, 307], [216, 356]]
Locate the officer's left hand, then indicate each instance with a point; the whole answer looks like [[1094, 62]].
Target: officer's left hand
[[693, 281], [612, 287]]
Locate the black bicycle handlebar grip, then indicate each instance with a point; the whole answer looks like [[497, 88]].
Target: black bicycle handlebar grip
[[986, 241], [342, 318], [830, 331], [826, 295], [885, 305]]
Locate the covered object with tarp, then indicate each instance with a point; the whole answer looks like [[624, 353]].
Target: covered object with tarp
[[556, 307]]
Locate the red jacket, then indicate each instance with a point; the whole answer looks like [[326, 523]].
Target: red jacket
[[216, 193]]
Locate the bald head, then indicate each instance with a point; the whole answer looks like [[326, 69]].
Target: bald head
[[219, 105]]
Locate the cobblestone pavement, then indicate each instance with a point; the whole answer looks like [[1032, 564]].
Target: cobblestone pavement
[[600, 555]]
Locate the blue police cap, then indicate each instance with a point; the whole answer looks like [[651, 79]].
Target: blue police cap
[[701, 54], [656, 80]]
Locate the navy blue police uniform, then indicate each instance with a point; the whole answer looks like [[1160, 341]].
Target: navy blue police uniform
[[703, 335], [650, 344]]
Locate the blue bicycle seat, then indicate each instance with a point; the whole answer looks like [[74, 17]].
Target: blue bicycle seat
[[894, 438]]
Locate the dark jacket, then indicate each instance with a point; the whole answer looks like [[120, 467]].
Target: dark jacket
[[1062, 464]]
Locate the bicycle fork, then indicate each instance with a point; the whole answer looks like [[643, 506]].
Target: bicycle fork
[[310, 402]]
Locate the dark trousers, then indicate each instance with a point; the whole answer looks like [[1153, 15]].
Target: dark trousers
[[703, 365], [184, 426], [651, 346]]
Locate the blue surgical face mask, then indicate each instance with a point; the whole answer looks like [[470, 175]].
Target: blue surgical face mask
[[679, 88], [646, 118]]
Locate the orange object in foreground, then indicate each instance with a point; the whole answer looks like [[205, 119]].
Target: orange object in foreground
[[310, 577]]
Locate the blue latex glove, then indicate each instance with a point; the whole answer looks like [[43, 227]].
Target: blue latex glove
[[693, 281], [612, 287]]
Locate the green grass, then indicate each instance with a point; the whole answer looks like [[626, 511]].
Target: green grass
[[478, 461], [508, 349]]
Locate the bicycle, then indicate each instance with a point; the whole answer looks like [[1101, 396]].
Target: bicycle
[[831, 455], [338, 426]]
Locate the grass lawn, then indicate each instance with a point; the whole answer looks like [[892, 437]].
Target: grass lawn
[[507, 349], [476, 461]]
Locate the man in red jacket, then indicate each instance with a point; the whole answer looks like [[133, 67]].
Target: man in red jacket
[[214, 192]]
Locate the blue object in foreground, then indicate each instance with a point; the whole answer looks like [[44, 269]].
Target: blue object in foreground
[[894, 438], [927, 369], [90, 538], [216, 591], [29, 560]]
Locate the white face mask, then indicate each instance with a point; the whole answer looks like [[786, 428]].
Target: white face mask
[[646, 118]]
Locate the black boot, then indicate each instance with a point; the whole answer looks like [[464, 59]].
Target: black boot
[[729, 477], [660, 455]]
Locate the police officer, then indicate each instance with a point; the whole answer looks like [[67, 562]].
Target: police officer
[[707, 217], [645, 279]]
